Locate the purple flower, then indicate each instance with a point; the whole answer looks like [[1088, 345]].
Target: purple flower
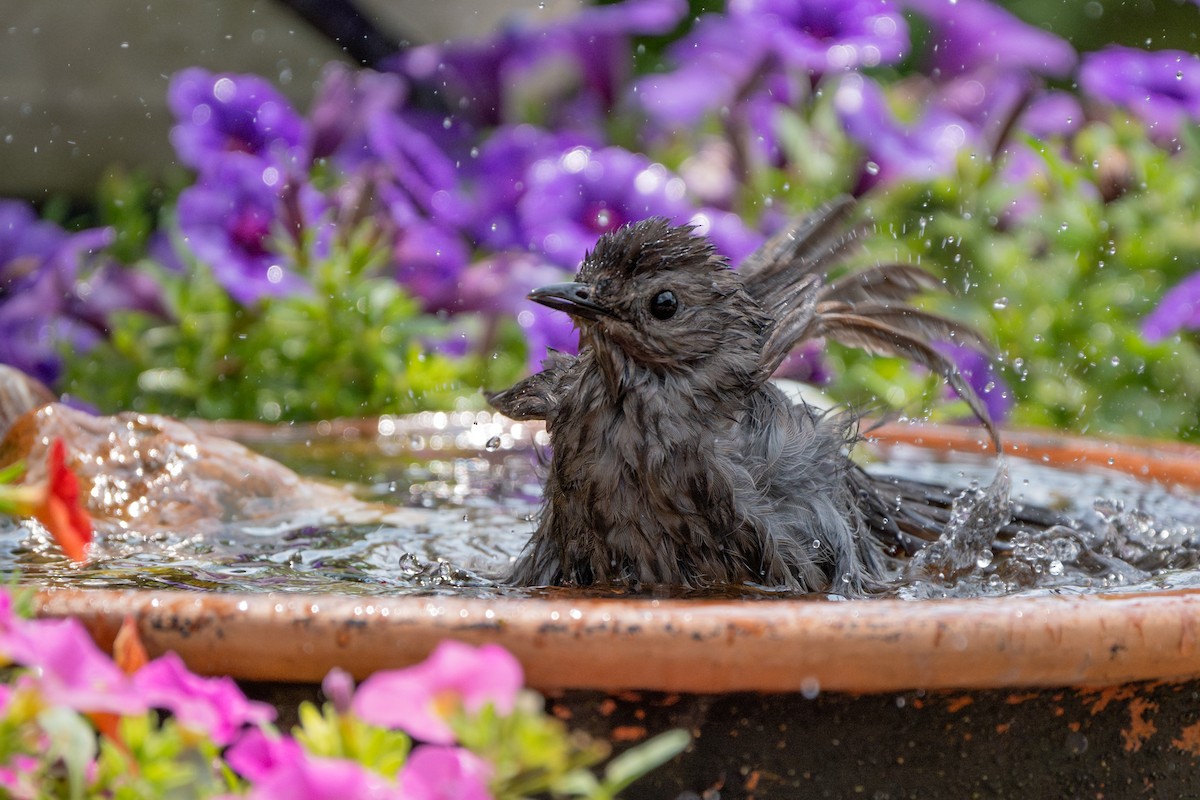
[[571, 199], [583, 58], [346, 100], [220, 113], [497, 178], [215, 706], [969, 34], [415, 169], [55, 291], [419, 699], [433, 772], [429, 261], [806, 364], [25, 241], [758, 41], [926, 149], [314, 778], [1162, 87], [1052, 114], [828, 35], [989, 99], [1179, 309], [981, 375], [338, 688], [229, 218], [497, 287]]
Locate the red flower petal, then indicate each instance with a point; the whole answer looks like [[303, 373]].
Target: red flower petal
[[61, 511]]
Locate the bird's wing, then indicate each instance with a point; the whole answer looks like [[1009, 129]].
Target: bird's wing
[[789, 277], [537, 396]]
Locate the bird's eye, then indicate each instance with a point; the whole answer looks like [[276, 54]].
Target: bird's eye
[[664, 305]]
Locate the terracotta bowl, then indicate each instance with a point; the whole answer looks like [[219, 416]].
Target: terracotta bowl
[[1035, 696]]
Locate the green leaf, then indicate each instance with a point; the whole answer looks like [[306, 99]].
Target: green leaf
[[646, 757]]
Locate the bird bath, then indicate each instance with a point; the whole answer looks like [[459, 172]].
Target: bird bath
[[1034, 692]]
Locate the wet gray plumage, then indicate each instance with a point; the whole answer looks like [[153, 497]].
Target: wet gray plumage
[[676, 461]]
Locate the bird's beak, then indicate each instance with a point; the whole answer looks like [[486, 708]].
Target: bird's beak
[[573, 298]]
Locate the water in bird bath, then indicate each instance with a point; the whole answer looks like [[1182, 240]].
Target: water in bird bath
[[453, 498]]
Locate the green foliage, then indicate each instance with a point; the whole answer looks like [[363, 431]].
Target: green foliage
[[356, 345], [1064, 289], [325, 732]]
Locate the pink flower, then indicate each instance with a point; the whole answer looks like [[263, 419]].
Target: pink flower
[[433, 772], [19, 778], [259, 753], [418, 700], [324, 779], [213, 705], [68, 669]]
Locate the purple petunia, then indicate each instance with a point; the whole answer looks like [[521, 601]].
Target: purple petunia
[[966, 35], [496, 178], [1161, 87], [229, 220], [982, 375], [1178, 310], [55, 289], [573, 198], [925, 149], [577, 65], [221, 113], [497, 287], [1053, 113], [346, 100], [746, 55], [827, 35]]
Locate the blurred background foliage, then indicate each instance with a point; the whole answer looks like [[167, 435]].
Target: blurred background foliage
[[1064, 291]]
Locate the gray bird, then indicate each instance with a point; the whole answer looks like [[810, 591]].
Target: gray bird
[[674, 459]]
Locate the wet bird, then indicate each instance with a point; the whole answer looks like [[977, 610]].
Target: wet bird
[[676, 461]]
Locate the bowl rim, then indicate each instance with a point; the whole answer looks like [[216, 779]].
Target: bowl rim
[[707, 646]]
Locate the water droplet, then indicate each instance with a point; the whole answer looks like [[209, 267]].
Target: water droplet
[[493, 444], [871, 168], [1000, 303], [810, 687]]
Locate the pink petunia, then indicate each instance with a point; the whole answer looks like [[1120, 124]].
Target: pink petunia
[[433, 772], [258, 754], [67, 668], [419, 699], [324, 779], [213, 705]]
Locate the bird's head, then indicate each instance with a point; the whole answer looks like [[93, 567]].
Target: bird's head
[[662, 296]]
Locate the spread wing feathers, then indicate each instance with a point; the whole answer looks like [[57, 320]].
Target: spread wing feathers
[[897, 282], [879, 338], [815, 243], [868, 309], [906, 319]]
